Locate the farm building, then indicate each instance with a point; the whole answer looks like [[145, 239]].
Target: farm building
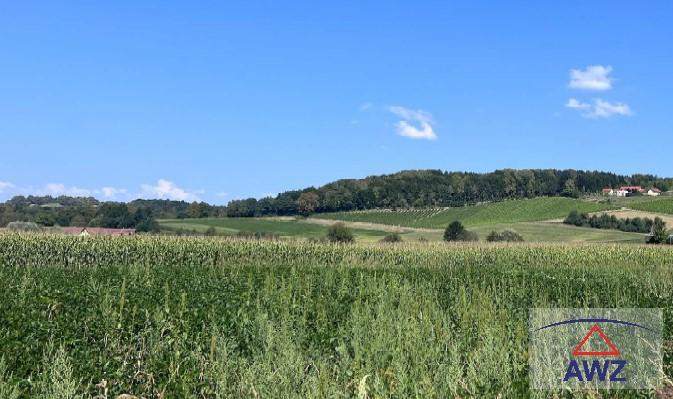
[[632, 189], [97, 231], [653, 192]]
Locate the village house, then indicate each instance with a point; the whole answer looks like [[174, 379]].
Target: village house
[[653, 192], [97, 231], [625, 191]]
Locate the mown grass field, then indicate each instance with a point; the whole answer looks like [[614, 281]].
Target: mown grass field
[[526, 210], [194, 317], [289, 227]]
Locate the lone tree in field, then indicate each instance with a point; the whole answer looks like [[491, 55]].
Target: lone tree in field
[[338, 232], [456, 232], [307, 203], [659, 232]]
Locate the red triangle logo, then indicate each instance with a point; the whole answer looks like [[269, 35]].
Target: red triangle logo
[[578, 351]]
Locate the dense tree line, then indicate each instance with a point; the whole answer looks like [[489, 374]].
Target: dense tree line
[[434, 188], [406, 189], [80, 211], [605, 221]]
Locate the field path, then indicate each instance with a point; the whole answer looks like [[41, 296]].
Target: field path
[[371, 226]]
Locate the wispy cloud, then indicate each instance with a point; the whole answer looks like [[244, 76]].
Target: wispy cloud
[[593, 77], [415, 124], [56, 189], [365, 106], [112, 192], [165, 189], [599, 108], [5, 185]]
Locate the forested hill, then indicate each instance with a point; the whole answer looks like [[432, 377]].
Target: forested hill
[[423, 188], [416, 188]]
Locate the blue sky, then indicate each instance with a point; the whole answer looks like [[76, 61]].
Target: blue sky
[[221, 100]]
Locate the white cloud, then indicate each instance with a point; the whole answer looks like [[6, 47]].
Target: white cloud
[[222, 194], [599, 108], [56, 189], [4, 185], [365, 106], [575, 104], [416, 124], [111, 192], [604, 109], [165, 189], [594, 77]]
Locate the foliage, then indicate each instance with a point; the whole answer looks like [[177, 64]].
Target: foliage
[[456, 232], [23, 226], [435, 188], [605, 221], [77, 211], [504, 236], [257, 235], [392, 238], [659, 234], [183, 317], [339, 233]]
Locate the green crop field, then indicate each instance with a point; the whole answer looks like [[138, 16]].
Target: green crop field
[[281, 227], [211, 318], [513, 211], [658, 205]]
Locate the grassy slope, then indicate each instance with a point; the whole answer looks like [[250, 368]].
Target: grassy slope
[[657, 205], [528, 210], [280, 227]]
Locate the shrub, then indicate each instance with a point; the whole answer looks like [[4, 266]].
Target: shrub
[[456, 232], [257, 235], [392, 238], [23, 226], [659, 234], [338, 232], [505, 236]]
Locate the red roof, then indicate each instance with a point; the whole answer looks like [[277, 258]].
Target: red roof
[[98, 231], [656, 190], [631, 188], [607, 190]]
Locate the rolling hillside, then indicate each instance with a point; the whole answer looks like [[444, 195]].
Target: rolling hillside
[[513, 211], [287, 227], [658, 205]]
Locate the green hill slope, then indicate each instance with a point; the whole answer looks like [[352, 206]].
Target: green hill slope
[[281, 227], [658, 205], [513, 211]]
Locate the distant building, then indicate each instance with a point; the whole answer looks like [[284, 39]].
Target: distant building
[[653, 192], [608, 191], [97, 231], [632, 189]]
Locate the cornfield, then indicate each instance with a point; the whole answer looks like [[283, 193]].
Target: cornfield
[[192, 317]]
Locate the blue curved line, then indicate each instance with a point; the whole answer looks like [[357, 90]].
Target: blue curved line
[[613, 321]]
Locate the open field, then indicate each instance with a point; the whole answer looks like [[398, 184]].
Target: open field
[[513, 211], [370, 232], [559, 232], [657, 205], [284, 227], [194, 317]]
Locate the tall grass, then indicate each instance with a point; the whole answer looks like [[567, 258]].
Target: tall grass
[[168, 317]]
